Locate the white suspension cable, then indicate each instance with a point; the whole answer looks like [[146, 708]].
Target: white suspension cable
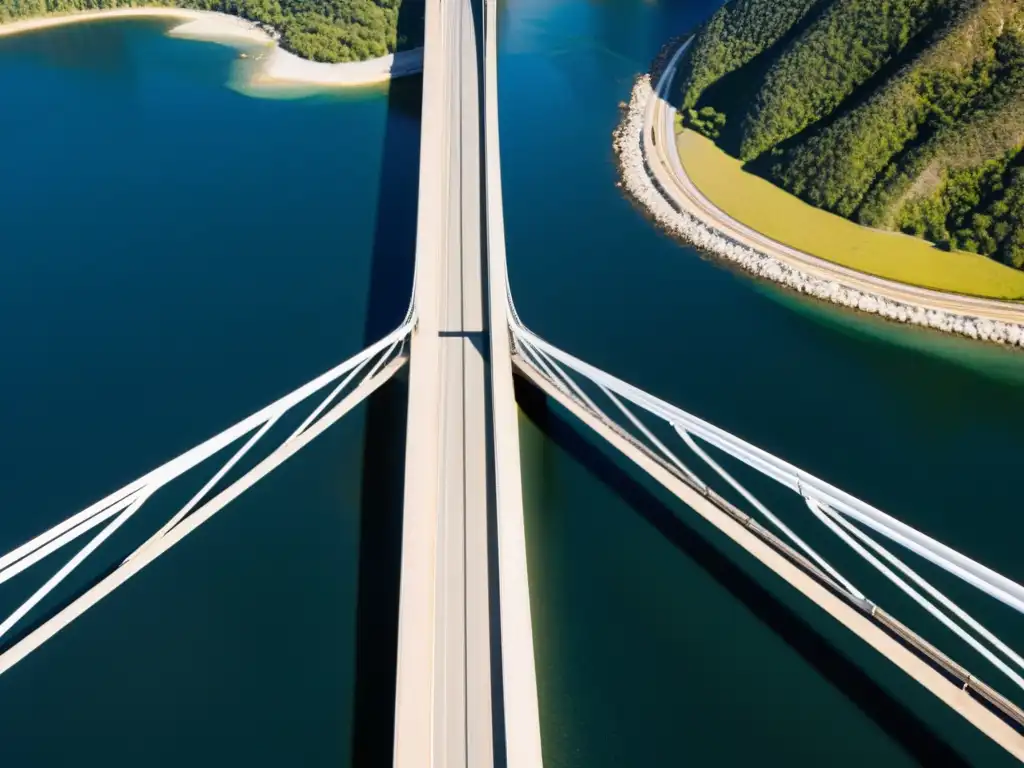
[[382, 360], [687, 472], [266, 428], [534, 357], [73, 563], [156, 546], [795, 483], [989, 581], [58, 530], [669, 455], [768, 515], [327, 401], [67, 537], [550, 364], [583, 396], [951, 567], [201, 494], [924, 584], [916, 596], [191, 458]]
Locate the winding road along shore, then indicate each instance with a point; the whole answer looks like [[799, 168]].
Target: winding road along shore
[[278, 67], [654, 176]]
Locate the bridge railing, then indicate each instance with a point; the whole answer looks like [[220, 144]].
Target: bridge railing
[[873, 536], [347, 384]]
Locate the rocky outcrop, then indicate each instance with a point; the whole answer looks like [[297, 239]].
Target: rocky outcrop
[[641, 185]]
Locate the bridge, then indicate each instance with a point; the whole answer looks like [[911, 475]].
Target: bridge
[[466, 684]]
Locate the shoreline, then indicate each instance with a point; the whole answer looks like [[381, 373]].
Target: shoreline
[[284, 67], [209, 25], [661, 188], [280, 67]]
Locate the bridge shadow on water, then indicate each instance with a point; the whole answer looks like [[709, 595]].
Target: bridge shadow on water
[[380, 536], [896, 719]]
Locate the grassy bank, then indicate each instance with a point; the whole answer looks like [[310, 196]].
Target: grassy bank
[[770, 210]]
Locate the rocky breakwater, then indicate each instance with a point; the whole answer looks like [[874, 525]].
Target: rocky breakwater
[[641, 185]]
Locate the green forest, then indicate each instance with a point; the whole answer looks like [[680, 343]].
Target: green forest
[[898, 114], [321, 30]]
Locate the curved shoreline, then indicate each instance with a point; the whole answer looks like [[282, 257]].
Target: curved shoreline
[[279, 67], [207, 24], [661, 188], [284, 67]]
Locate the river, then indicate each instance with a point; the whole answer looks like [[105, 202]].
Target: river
[[177, 253]]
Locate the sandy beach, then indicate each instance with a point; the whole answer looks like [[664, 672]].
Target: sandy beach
[[284, 67], [279, 66]]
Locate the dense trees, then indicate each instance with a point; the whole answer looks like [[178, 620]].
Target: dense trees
[[735, 34], [978, 209], [705, 120], [903, 114], [321, 30], [845, 46]]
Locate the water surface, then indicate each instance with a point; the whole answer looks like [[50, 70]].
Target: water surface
[[657, 641], [175, 255]]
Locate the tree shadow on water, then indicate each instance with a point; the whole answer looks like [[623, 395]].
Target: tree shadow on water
[[891, 715], [380, 534]]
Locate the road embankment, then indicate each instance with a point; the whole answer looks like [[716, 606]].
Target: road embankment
[[654, 177]]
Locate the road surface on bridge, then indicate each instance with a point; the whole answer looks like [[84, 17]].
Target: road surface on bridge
[[462, 691], [443, 700]]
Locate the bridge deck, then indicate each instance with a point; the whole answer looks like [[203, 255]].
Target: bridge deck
[[443, 699], [462, 690]]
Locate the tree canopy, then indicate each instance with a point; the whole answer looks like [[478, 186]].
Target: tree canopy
[[904, 114], [320, 30]]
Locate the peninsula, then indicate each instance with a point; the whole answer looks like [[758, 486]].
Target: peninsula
[[903, 115], [692, 152], [654, 177]]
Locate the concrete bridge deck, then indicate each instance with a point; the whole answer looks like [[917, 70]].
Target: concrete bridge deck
[[463, 497]]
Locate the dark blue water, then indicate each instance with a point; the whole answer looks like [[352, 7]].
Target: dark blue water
[[174, 256], [658, 642]]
